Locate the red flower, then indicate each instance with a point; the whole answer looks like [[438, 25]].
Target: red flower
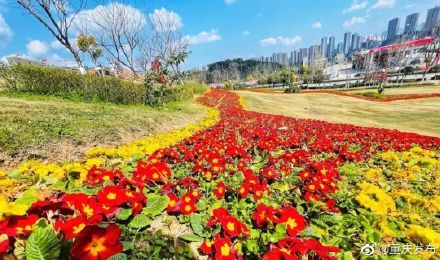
[[305, 174], [244, 190], [20, 225], [4, 243], [97, 176], [187, 208], [206, 247], [261, 215], [233, 227], [156, 172], [195, 194], [112, 196], [72, 227], [220, 191], [172, 204], [188, 198], [294, 221], [97, 243], [224, 249]]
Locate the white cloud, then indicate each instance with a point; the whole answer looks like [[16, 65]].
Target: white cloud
[[88, 19], [353, 21], [203, 37], [229, 2], [37, 48], [164, 20], [356, 5], [245, 33], [317, 25], [5, 30], [55, 44], [280, 40], [383, 4]]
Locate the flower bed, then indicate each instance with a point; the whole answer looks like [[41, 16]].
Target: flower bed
[[253, 185], [385, 98]]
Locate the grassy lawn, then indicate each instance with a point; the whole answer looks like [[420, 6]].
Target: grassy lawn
[[419, 116], [56, 129]]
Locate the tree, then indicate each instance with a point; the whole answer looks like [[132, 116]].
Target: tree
[[57, 16], [165, 41], [118, 30], [87, 44], [250, 77]]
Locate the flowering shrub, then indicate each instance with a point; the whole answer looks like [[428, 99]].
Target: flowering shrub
[[250, 186]]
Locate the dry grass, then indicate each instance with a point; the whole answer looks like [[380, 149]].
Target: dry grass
[[58, 130], [419, 116]]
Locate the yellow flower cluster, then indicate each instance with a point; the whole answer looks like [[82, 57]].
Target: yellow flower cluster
[[423, 235], [11, 208], [241, 101], [396, 179], [375, 199], [373, 174]]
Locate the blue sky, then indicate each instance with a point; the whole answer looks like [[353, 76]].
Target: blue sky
[[221, 29]]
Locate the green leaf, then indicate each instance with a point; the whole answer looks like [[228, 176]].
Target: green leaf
[[124, 214], [43, 244], [252, 246], [140, 221], [196, 224], [59, 185], [120, 256], [191, 238], [156, 204], [281, 229], [127, 245], [28, 198]]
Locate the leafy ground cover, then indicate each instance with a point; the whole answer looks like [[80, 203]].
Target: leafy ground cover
[[56, 129], [240, 184]]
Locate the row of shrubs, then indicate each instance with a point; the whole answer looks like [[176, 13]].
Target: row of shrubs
[[72, 85]]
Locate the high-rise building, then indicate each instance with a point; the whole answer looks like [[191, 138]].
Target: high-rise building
[[295, 58], [284, 58], [314, 54], [411, 24], [432, 19], [347, 42], [324, 47], [331, 46], [303, 53], [355, 41], [393, 28], [340, 47]]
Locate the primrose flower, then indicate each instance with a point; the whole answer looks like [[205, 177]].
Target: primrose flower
[[97, 243]]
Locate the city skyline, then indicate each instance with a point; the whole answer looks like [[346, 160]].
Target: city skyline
[[352, 41]]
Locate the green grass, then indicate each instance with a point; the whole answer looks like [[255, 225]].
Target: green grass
[[419, 115], [55, 128]]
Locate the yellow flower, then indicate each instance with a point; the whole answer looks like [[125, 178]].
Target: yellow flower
[[422, 235], [373, 175], [375, 199], [11, 208], [386, 231]]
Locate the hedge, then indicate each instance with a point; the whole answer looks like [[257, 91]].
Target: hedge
[[72, 85]]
